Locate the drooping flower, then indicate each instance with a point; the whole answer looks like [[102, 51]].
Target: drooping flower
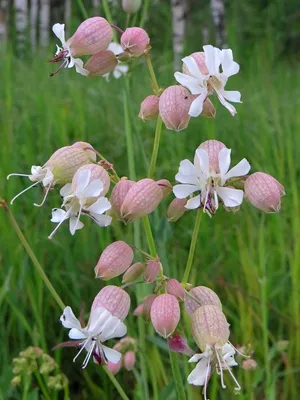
[[165, 314], [121, 68], [101, 327], [211, 184], [84, 196], [135, 40], [203, 79]]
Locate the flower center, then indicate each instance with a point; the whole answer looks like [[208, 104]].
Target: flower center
[[213, 83]]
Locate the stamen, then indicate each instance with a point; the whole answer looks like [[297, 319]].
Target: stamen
[[66, 216], [238, 387], [27, 175], [216, 199], [44, 199], [88, 356], [62, 65], [242, 354], [23, 191], [79, 214], [221, 369], [84, 343]]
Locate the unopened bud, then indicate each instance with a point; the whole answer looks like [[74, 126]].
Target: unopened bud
[[114, 260], [114, 368], [114, 299], [149, 108], [178, 344], [209, 110], [199, 57], [165, 186], [135, 40], [176, 209], [101, 63], [133, 272], [174, 105], [264, 192], [129, 360], [118, 195], [139, 311], [141, 199], [249, 364], [131, 6], [152, 270], [92, 36], [176, 289], [209, 327], [165, 314], [212, 148], [147, 304], [204, 296]]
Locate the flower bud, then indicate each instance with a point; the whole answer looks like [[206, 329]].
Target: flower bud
[[213, 148], [199, 57], [131, 6], [174, 105], [141, 199], [176, 289], [135, 40], [118, 195], [129, 360], [88, 148], [133, 272], [114, 368], [114, 260], [209, 110], [178, 344], [176, 209], [204, 295], [165, 314], [113, 299], [101, 63], [139, 311], [209, 327], [92, 36], [249, 364], [264, 192], [165, 186], [152, 270], [147, 304], [97, 172], [149, 108]]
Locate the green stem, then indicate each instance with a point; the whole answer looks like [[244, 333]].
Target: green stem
[[144, 13], [155, 85], [149, 236], [116, 384], [155, 147], [31, 254], [177, 375], [82, 9], [42, 386], [192, 247]]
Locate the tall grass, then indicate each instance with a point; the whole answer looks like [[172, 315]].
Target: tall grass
[[251, 260]]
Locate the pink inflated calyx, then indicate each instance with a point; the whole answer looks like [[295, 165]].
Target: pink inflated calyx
[[135, 40], [133, 272], [139, 311], [118, 195], [149, 108], [101, 63], [264, 192], [199, 57], [176, 209], [114, 260], [129, 360], [209, 110], [174, 105], [114, 299], [92, 36], [201, 296], [178, 344], [165, 314], [165, 186], [141, 199], [213, 148], [153, 268], [114, 368], [147, 304], [176, 289], [88, 148]]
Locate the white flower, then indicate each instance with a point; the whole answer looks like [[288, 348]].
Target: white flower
[[219, 358], [101, 327], [38, 175], [64, 52], [120, 69], [211, 185], [85, 199], [215, 81]]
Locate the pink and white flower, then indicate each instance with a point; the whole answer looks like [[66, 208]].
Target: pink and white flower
[[121, 68], [211, 185], [101, 327], [212, 79]]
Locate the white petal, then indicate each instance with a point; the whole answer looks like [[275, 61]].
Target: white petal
[[79, 67], [101, 220], [232, 95], [194, 70], [231, 197], [193, 203], [58, 215], [66, 190], [93, 189], [76, 334], [59, 32], [196, 357], [185, 178], [82, 180], [75, 225], [123, 68], [225, 103], [100, 206], [198, 375], [241, 169], [111, 355], [187, 168], [213, 58], [115, 48], [196, 107], [224, 160], [120, 331], [117, 73], [69, 320], [49, 178], [201, 161], [98, 317], [183, 191], [189, 82], [229, 66], [109, 327]]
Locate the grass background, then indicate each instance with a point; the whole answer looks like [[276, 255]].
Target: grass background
[[250, 259]]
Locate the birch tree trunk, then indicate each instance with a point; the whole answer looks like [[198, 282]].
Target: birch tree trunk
[[44, 22], [218, 16], [179, 12], [21, 7], [67, 16], [96, 7], [33, 23], [3, 22]]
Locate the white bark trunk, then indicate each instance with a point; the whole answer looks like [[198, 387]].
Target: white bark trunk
[[33, 23], [179, 10], [96, 7], [44, 22], [3, 21], [67, 16], [218, 16], [21, 7]]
